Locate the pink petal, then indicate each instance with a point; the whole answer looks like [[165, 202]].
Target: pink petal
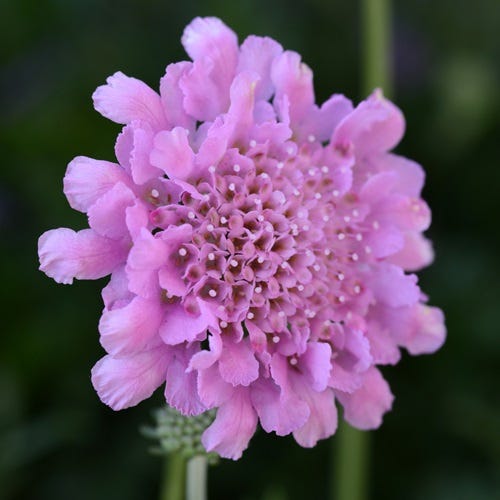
[[392, 287], [107, 214], [212, 389], [322, 421], [429, 331], [124, 382], [172, 96], [233, 427], [204, 359], [132, 328], [181, 391], [257, 55], [344, 380], [116, 292], [279, 411], [124, 99], [136, 218], [86, 180], [65, 254], [416, 253], [316, 362], [385, 241], [237, 364], [172, 153], [376, 125], [365, 407], [180, 326], [410, 175]]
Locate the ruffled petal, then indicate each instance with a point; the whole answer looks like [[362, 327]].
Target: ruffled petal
[[365, 407], [124, 99], [65, 254], [237, 364], [392, 287], [417, 253], [86, 180], [132, 328], [124, 382], [316, 362], [233, 427], [428, 333]]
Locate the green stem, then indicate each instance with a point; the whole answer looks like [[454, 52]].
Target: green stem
[[196, 483], [351, 464], [173, 480], [377, 54]]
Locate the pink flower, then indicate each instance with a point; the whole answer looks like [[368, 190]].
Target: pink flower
[[258, 245]]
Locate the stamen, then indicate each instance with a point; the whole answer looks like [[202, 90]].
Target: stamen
[[260, 218], [335, 193], [341, 236], [210, 227], [260, 259], [191, 215], [293, 361], [234, 263], [211, 256], [231, 186], [311, 138], [211, 169], [317, 196], [212, 293], [325, 169], [236, 168], [347, 218], [155, 193], [341, 299], [223, 220], [280, 165], [312, 171], [327, 252], [276, 339], [300, 288], [281, 314], [340, 276], [376, 224], [316, 267], [258, 289], [253, 143], [359, 237], [182, 252], [326, 218], [368, 249], [223, 324], [357, 289], [354, 256], [250, 315]]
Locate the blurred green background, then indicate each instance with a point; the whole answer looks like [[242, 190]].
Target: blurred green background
[[57, 441]]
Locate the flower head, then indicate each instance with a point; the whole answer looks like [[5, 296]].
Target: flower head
[[258, 244]]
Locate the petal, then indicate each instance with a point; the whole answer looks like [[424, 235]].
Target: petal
[[86, 180], [132, 328], [233, 427], [181, 391], [172, 153], [344, 380], [107, 216], [316, 362], [65, 254], [385, 241], [124, 99], [392, 287], [416, 253], [278, 411], [204, 359], [376, 125], [410, 175], [429, 331], [257, 55], [124, 382], [172, 96], [322, 421], [181, 326], [116, 292], [212, 389], [237, 363], [365, 407]]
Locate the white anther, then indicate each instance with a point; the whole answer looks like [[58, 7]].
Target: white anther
[[231, 186], [355, 213], [355, 257], [260, 259], [368, 249], [155, 193], [276, 339], [182, 252], [341, 236], [250, 315], [327, 251], [284, 265], [223, 220], [212, 293], [347, 218], [305, 227], [300, 288], [281, 314], [280, 165], [191, 215], [211, 256], [223, 324], [211, 169], [376, 224], [325, 169], [296, 192], [357, 289], [210, 227], [260, 218], [264, 175], [301, 213], [290, 150], [293, 361], [270, 229], [359, 237], [253, 143], [316, 267], [234, 263], [340, 276], [335, 193], [341, 299], [258, 289], [294, 227], [311, 138], [312, 171], [257, 201], [236, 168], [317, 196], [326, 218]]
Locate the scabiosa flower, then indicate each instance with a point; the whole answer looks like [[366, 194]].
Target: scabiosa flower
[[258, 245]]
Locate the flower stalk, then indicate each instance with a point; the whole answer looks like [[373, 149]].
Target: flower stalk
[[196, 481]]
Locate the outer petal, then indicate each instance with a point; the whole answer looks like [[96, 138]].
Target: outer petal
[[429, 331], [233, 427], [124, 382], [132, 328], [180, 326], [124, 99], [316, 363], [65, 254], [416, 253], [257, 55], [392, 287], [237, 364], [86, 180], [181, 390], [172, 153], [365, 407]]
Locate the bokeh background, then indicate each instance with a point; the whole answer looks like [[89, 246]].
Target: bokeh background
[[57, 441]]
